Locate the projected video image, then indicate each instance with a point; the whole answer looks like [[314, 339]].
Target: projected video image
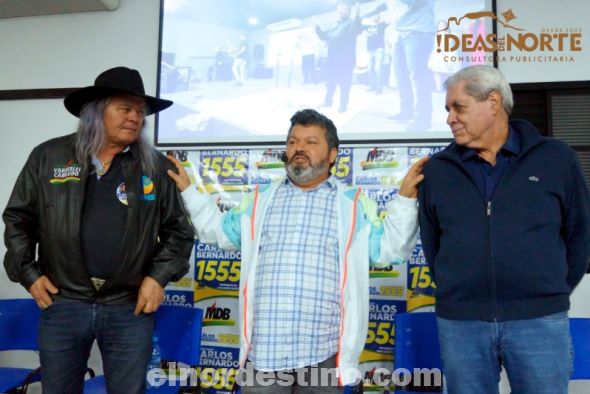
[[238, 70]]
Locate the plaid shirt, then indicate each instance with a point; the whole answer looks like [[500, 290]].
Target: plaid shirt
[[297, 301]]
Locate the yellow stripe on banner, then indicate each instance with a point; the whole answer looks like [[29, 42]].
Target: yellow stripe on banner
[[416, 301], [205, 293], [217, 322], [215, 188], [368, 356], [384, 274]]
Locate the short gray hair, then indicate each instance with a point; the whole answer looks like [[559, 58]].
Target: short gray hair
[[482, 80]]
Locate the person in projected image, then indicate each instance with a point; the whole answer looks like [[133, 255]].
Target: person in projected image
[[341, 60], [375, 30], [416, 30], [505, 228], [306, 46], [440, 68], [94, 231], [240, 56], [307, 242]]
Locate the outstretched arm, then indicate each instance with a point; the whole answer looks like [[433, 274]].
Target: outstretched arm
[[211, 225]]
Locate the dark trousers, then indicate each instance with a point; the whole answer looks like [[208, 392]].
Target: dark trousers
[[338, 75], [308, 68], [414, 80], [304, 381], [66, 332]]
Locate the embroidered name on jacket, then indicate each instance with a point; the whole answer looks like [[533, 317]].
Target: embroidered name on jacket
[[70, 172]]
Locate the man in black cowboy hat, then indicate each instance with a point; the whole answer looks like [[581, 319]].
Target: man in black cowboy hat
[[110, 232]]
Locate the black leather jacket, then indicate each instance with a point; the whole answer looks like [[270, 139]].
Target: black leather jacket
[[45, 210]]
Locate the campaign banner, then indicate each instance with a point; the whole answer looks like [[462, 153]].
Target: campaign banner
[[343, 165], [224, 166], [217, 369], [420, 285], [216, 268], [217, 275], [417, 152], [178, 298], [379, 166], [266, 166], [380, 341]]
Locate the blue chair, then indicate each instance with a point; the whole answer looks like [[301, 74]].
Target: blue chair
[[580, 331], [19, 321], [179, 337], [417, 347]]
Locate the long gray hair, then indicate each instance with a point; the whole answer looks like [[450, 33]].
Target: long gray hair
[[90, 137], [480, 81]]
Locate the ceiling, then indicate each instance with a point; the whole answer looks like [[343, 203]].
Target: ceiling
[[19, 8]]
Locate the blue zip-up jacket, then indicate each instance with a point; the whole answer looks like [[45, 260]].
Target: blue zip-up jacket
[[518, 256]]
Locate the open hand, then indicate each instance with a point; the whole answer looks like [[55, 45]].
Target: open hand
[[181, 178]]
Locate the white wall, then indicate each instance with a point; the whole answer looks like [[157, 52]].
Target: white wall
[[537, 16], [69, 50]]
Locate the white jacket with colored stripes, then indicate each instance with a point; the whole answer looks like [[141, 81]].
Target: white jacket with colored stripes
[[364, 240]]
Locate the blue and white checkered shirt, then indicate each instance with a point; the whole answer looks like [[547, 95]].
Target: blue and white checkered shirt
[[297, 300]]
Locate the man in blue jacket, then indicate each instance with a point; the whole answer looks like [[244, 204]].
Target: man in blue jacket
[[505, 226]]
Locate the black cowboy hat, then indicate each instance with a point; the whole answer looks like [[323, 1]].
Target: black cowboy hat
[[118, 80]]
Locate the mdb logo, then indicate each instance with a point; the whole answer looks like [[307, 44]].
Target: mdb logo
[[379, 158], [215, 316]]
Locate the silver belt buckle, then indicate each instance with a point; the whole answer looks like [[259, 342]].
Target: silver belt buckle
[[97, 282]]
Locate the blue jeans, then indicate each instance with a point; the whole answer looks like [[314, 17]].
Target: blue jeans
[[67, 330], [537, 355]]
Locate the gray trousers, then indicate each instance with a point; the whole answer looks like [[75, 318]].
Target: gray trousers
[[319, 378]]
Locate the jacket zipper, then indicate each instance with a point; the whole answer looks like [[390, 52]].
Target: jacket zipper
[[493, 292]]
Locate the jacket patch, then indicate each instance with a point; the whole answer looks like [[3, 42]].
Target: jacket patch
[[69, 172], [533, 179], [149, 192]]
